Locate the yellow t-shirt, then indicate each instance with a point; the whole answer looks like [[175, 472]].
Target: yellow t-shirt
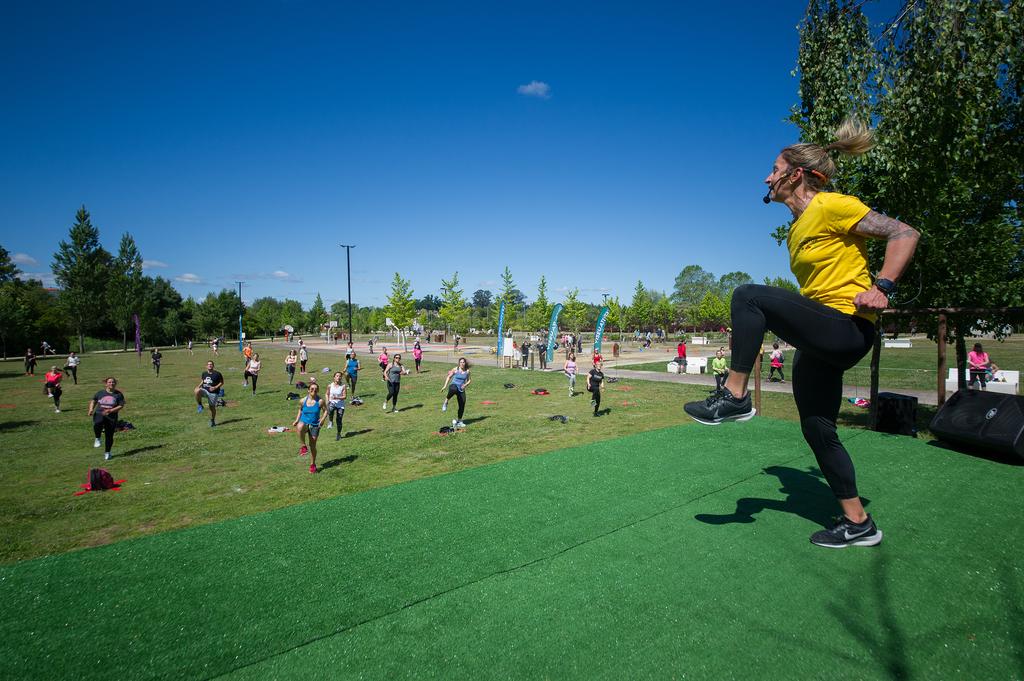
[[830, 263]]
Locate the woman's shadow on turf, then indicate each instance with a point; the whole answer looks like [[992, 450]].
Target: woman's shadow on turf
[[807, 496]]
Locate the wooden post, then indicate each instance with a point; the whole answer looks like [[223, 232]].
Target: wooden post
[[757, 381], [941, 341], [876, 353]]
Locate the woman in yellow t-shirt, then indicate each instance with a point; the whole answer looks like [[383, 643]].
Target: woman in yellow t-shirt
[[831, 322]]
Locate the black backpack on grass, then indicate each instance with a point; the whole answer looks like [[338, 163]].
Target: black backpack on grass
[[100, 479]]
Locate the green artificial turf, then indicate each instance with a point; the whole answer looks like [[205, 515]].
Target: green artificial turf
[[680, 552]]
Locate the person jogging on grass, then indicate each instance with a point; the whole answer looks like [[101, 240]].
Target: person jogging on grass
[[247, 357], [30, 362], [312, 413], [352, 372], [569, 369], [52, 387], [209, 389], [104, 408], [459, 380], [71, 365], [595, 384], [155, 357], [417, 354], [289, 365], [336, 393], [393, 373], [303, 357], [252, 371], [831, 322]]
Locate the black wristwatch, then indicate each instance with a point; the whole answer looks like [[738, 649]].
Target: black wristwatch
[[886, 286]]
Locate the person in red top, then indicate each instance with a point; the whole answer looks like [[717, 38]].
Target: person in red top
[[597, 358], [53, 390]]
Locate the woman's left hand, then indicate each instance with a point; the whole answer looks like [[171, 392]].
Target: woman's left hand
[[872, 299]]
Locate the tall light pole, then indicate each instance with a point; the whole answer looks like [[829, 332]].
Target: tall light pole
[[348, 271], [240, 308]]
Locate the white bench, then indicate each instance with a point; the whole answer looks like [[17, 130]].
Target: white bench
[[694, 365], [698, 340], [1005, 381], [898, 344]]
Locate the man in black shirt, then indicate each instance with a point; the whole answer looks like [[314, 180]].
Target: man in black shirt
[[209, 388], [156, 357], [594, 380]]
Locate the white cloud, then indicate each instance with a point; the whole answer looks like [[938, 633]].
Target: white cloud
[[189, 278], [151, 264], [535, 88], [281, 275], [23, 259]]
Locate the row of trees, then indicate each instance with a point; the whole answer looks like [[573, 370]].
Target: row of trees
[[99, 293]]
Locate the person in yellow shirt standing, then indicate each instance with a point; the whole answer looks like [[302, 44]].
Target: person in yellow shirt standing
[[831, 322]]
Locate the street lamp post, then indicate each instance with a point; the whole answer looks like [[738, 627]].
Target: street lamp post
[[348, 271], [242, 307]]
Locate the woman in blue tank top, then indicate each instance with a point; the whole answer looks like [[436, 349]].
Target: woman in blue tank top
[[352, 373], [459, 380], [312, 414]]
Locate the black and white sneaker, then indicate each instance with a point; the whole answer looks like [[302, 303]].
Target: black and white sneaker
[[721, 407], [848, 533]]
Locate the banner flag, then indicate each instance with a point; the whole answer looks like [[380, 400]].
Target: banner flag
[[599, 333], [501, 331], [138, 336], [553, 331]]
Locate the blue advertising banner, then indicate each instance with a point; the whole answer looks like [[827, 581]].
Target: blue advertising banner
[[599, 333], [501, 331], [553, 331]]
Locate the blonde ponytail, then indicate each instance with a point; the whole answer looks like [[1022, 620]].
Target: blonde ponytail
[[852, 138]]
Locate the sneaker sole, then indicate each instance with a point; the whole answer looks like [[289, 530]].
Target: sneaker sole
[[873, 540], [738, 419]]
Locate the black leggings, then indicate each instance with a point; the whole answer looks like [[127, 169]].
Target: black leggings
[[772, 370], [74, 373], [720, 381], [828, 343], [352, 378], [460, 396], [393, 389], [252, 379], [290, 368], [107, 427], [57, 392], [595, 391], [335, 414]]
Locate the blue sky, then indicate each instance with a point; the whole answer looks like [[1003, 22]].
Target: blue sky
[[595, 143]]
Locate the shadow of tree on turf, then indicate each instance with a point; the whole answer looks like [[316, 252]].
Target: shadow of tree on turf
[[807, 496], [869, 615]]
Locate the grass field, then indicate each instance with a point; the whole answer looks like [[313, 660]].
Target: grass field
[[182, 473], [899, 368]]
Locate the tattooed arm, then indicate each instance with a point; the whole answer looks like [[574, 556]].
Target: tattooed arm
[[901, 241]]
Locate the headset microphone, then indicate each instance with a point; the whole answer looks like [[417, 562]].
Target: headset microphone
[[768, 197]]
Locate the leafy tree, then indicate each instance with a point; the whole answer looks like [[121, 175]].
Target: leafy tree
[[727, 283], [711, 312], [691, 284], [663, 314], [317, 315], [509, 294], [292, 314], [617, 315], [163, 316], [539, 313], [453, 305], [401, 306], [81, 267], [574, 311], [429, 302], [8, 270], [482, 298], [264, 314], [125, 287], [640, 309], [782, 282]]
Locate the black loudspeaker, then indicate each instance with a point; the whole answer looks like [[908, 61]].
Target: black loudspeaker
[[896, 414], [989, 421]]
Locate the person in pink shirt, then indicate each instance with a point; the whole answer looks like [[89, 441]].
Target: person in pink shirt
[[53, 390], [417, 354], [382, 359], [980, 366]]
